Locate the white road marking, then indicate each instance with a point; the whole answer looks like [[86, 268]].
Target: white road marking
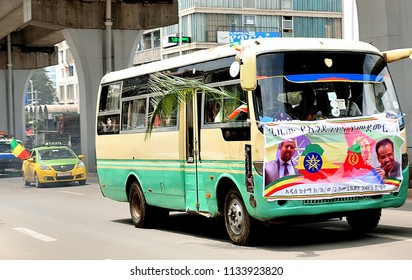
[[35, 234], [69, 192]]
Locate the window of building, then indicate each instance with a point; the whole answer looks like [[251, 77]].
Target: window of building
[[249, 4], [287, 5], [147, 41], [249, 20], [156, 39], [287, 26], [70, 92]]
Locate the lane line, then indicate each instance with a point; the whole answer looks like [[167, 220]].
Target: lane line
[[34, 234], [70, 192]]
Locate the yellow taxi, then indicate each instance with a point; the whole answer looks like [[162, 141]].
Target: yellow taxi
[[53, 164]]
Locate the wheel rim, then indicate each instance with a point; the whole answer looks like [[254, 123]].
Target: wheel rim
[[235, 216], [36, 180], [136, 207]]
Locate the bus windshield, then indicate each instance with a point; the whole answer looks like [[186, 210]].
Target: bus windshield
[[321, 84]]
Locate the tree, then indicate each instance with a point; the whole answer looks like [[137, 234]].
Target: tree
[[172, 91], [46, 94]]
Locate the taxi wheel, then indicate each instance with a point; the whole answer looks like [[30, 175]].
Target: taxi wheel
[[26, 183], [36, 181], [82, 182]]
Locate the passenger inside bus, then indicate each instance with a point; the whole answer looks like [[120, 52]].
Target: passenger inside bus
[[306, 109], [350, 108], [217, 112]]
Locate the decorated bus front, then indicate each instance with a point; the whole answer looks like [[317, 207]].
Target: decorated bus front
[[333, 133]]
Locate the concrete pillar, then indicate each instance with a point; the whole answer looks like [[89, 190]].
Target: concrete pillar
[[3, 101], [388, 25], [21, 80], [19, 84], [87, 48]]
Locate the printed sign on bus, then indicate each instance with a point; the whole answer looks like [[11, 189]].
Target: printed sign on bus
[[332, 158]]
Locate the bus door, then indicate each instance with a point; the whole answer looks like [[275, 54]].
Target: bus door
[[192, 154]]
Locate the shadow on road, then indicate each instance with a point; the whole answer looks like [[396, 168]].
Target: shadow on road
[[304, 237]]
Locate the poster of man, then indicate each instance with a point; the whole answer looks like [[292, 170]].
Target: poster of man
[[386, 157], [284, 165]]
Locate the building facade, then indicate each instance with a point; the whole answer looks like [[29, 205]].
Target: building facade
[[206, 23], [67, 85]]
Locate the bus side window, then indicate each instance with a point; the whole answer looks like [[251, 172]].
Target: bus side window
[[108, 124], [164, 120], [226, 109], [213, 111], [108, 121]]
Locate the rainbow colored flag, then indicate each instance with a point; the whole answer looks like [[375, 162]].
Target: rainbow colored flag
[[18, 150]]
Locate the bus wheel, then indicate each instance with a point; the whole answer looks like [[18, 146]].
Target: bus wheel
[[364, 220], [237, 220], [138, 206]]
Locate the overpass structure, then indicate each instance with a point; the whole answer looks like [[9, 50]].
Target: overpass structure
[[102, 35]]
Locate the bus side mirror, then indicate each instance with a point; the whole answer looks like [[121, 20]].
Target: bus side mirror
[[247, 60], [395, 55]]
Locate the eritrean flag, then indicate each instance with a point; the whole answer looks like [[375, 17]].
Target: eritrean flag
[[354, 160], [18, 150]]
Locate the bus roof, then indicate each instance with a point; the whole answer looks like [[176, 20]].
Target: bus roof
[[260, 45], [309, 44]]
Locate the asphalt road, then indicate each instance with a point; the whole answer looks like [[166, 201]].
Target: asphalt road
[[71, 222]]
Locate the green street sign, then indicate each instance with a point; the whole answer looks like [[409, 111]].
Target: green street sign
[[176, 39]]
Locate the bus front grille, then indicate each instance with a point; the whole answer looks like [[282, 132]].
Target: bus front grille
[[340, 199]]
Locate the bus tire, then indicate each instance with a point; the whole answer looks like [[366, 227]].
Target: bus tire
[[139, 210], [363, 221], [238, 222]]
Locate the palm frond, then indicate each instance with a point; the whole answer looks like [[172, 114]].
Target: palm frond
[[170, 92]]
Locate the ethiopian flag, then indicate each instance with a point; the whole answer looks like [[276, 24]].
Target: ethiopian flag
[[18, 150]]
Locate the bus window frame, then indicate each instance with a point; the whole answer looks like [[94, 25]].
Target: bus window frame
[[227, 124]]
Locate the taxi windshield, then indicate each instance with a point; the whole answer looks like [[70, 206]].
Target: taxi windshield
[[56, 153]]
